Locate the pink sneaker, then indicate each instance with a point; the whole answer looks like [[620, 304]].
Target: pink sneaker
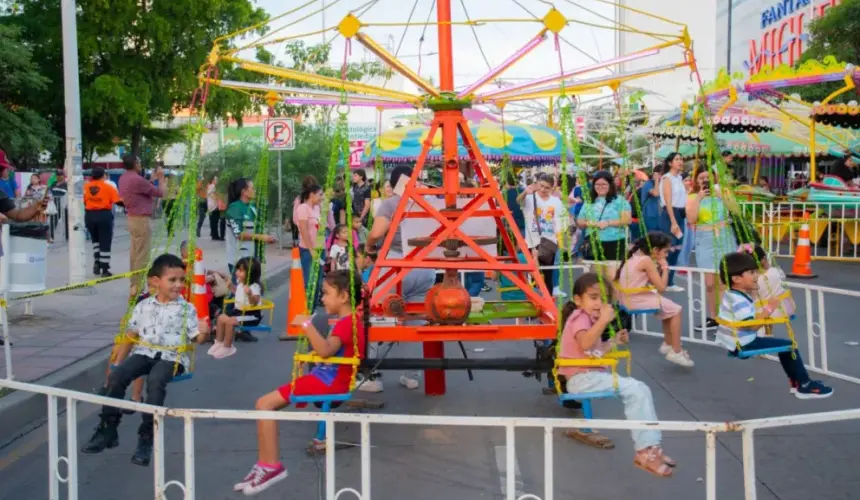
[[224, 352], [260, 478], [216, 346]]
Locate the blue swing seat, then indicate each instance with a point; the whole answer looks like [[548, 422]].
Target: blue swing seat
[[325, 402], [634, 312], [265, 305], [751, 353]]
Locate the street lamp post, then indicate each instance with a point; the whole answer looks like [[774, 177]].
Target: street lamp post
[[73, 165]]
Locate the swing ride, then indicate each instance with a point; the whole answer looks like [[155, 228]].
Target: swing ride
[[442, 212]]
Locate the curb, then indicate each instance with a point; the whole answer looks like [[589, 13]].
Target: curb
[[22, 412]]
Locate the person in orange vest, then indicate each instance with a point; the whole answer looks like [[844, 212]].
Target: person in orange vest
[[99, 199]]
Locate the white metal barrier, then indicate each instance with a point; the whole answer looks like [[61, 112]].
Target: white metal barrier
[[188, 416], [834, 225]]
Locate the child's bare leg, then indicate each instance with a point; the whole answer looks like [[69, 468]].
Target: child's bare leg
[[219, 328], [711, 295], [137, 390], [229, 330], [672, 332], [267, 430]]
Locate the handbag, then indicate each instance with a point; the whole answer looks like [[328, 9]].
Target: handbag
[[546, 248], [587, 250]]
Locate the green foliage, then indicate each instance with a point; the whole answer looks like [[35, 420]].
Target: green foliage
[[23, 133], [311, 157], [138, 60], [837, 34]]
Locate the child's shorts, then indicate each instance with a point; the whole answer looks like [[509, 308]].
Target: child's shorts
[[309, 385], [249, 318]]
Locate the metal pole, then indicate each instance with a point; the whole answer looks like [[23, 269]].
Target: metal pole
[[280, 201], [74, 162]]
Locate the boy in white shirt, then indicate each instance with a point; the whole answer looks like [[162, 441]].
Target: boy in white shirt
[[160, 327]]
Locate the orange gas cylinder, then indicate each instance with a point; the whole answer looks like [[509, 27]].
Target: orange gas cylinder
[[448, 303]]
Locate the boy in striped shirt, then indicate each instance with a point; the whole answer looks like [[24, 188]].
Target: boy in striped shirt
[[739, 272]]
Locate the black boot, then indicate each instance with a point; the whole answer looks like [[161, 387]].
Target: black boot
[[97, 268], [104, 437], [106, 271], [143, 452]]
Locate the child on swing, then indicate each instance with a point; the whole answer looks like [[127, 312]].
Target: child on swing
[[337, 297], [162, 323], [642, 268], [770, 282], [739, 272], [585, 319], [247, 293]]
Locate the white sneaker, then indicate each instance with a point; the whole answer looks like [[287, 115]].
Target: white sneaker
[[408, 382], [674, 288], [225, 352], [370, 385], [556, 292], [665, 349], [215, 348], [680, 358]]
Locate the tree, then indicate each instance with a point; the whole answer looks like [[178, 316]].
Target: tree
[[837, 34], [24, 135], [138, 60]]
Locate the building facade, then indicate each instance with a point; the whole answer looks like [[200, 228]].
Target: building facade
[[756, 34]]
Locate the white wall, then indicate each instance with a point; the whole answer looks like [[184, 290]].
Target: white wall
[[675, 86]]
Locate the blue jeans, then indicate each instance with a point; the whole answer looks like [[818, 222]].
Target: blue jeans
[[307, 267], [791, 365], [652, 223], [677, 243], [474, 283]]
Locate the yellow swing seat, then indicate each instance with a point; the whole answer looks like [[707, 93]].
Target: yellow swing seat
[[631, 291], [325, 402], [185, 375], [609, 360], [755, 324], [265, 305]]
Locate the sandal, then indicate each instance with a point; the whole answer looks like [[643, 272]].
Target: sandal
[[666, 458], [651, 461], [592, 438]]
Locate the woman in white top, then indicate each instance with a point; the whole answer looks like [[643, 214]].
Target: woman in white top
[[673, 206], [212, 209]]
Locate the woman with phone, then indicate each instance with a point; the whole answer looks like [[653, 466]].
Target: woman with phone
[[714, 237]]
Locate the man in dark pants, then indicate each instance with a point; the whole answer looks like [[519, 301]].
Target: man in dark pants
[[99, 199], [162, 324]]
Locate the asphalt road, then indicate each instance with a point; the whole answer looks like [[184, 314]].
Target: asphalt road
[[417, 462]]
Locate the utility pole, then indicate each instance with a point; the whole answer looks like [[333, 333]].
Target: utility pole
[[74, 161]]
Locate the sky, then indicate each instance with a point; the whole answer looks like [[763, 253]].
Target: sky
[[498, 40]]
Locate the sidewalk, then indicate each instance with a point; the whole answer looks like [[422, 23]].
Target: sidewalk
[[70, 326]]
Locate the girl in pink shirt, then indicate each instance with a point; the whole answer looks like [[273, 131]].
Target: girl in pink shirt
[[646, 266], [585, 320]]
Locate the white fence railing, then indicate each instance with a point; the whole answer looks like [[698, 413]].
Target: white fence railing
[[362, 491], [834, 227]]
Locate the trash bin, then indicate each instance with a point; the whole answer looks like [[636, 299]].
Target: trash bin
[[27, 256]]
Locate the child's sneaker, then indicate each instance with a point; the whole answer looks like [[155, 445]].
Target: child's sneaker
[[792, 387], [680, 358], [216, 346], [260, 478], [813, 389], [224, 352], [664, 349]]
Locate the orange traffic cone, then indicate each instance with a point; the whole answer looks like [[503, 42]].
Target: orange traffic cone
[[802, 267], [198, 288], [298, 302]]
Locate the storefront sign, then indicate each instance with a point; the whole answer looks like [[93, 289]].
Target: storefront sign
[[783, 34]]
